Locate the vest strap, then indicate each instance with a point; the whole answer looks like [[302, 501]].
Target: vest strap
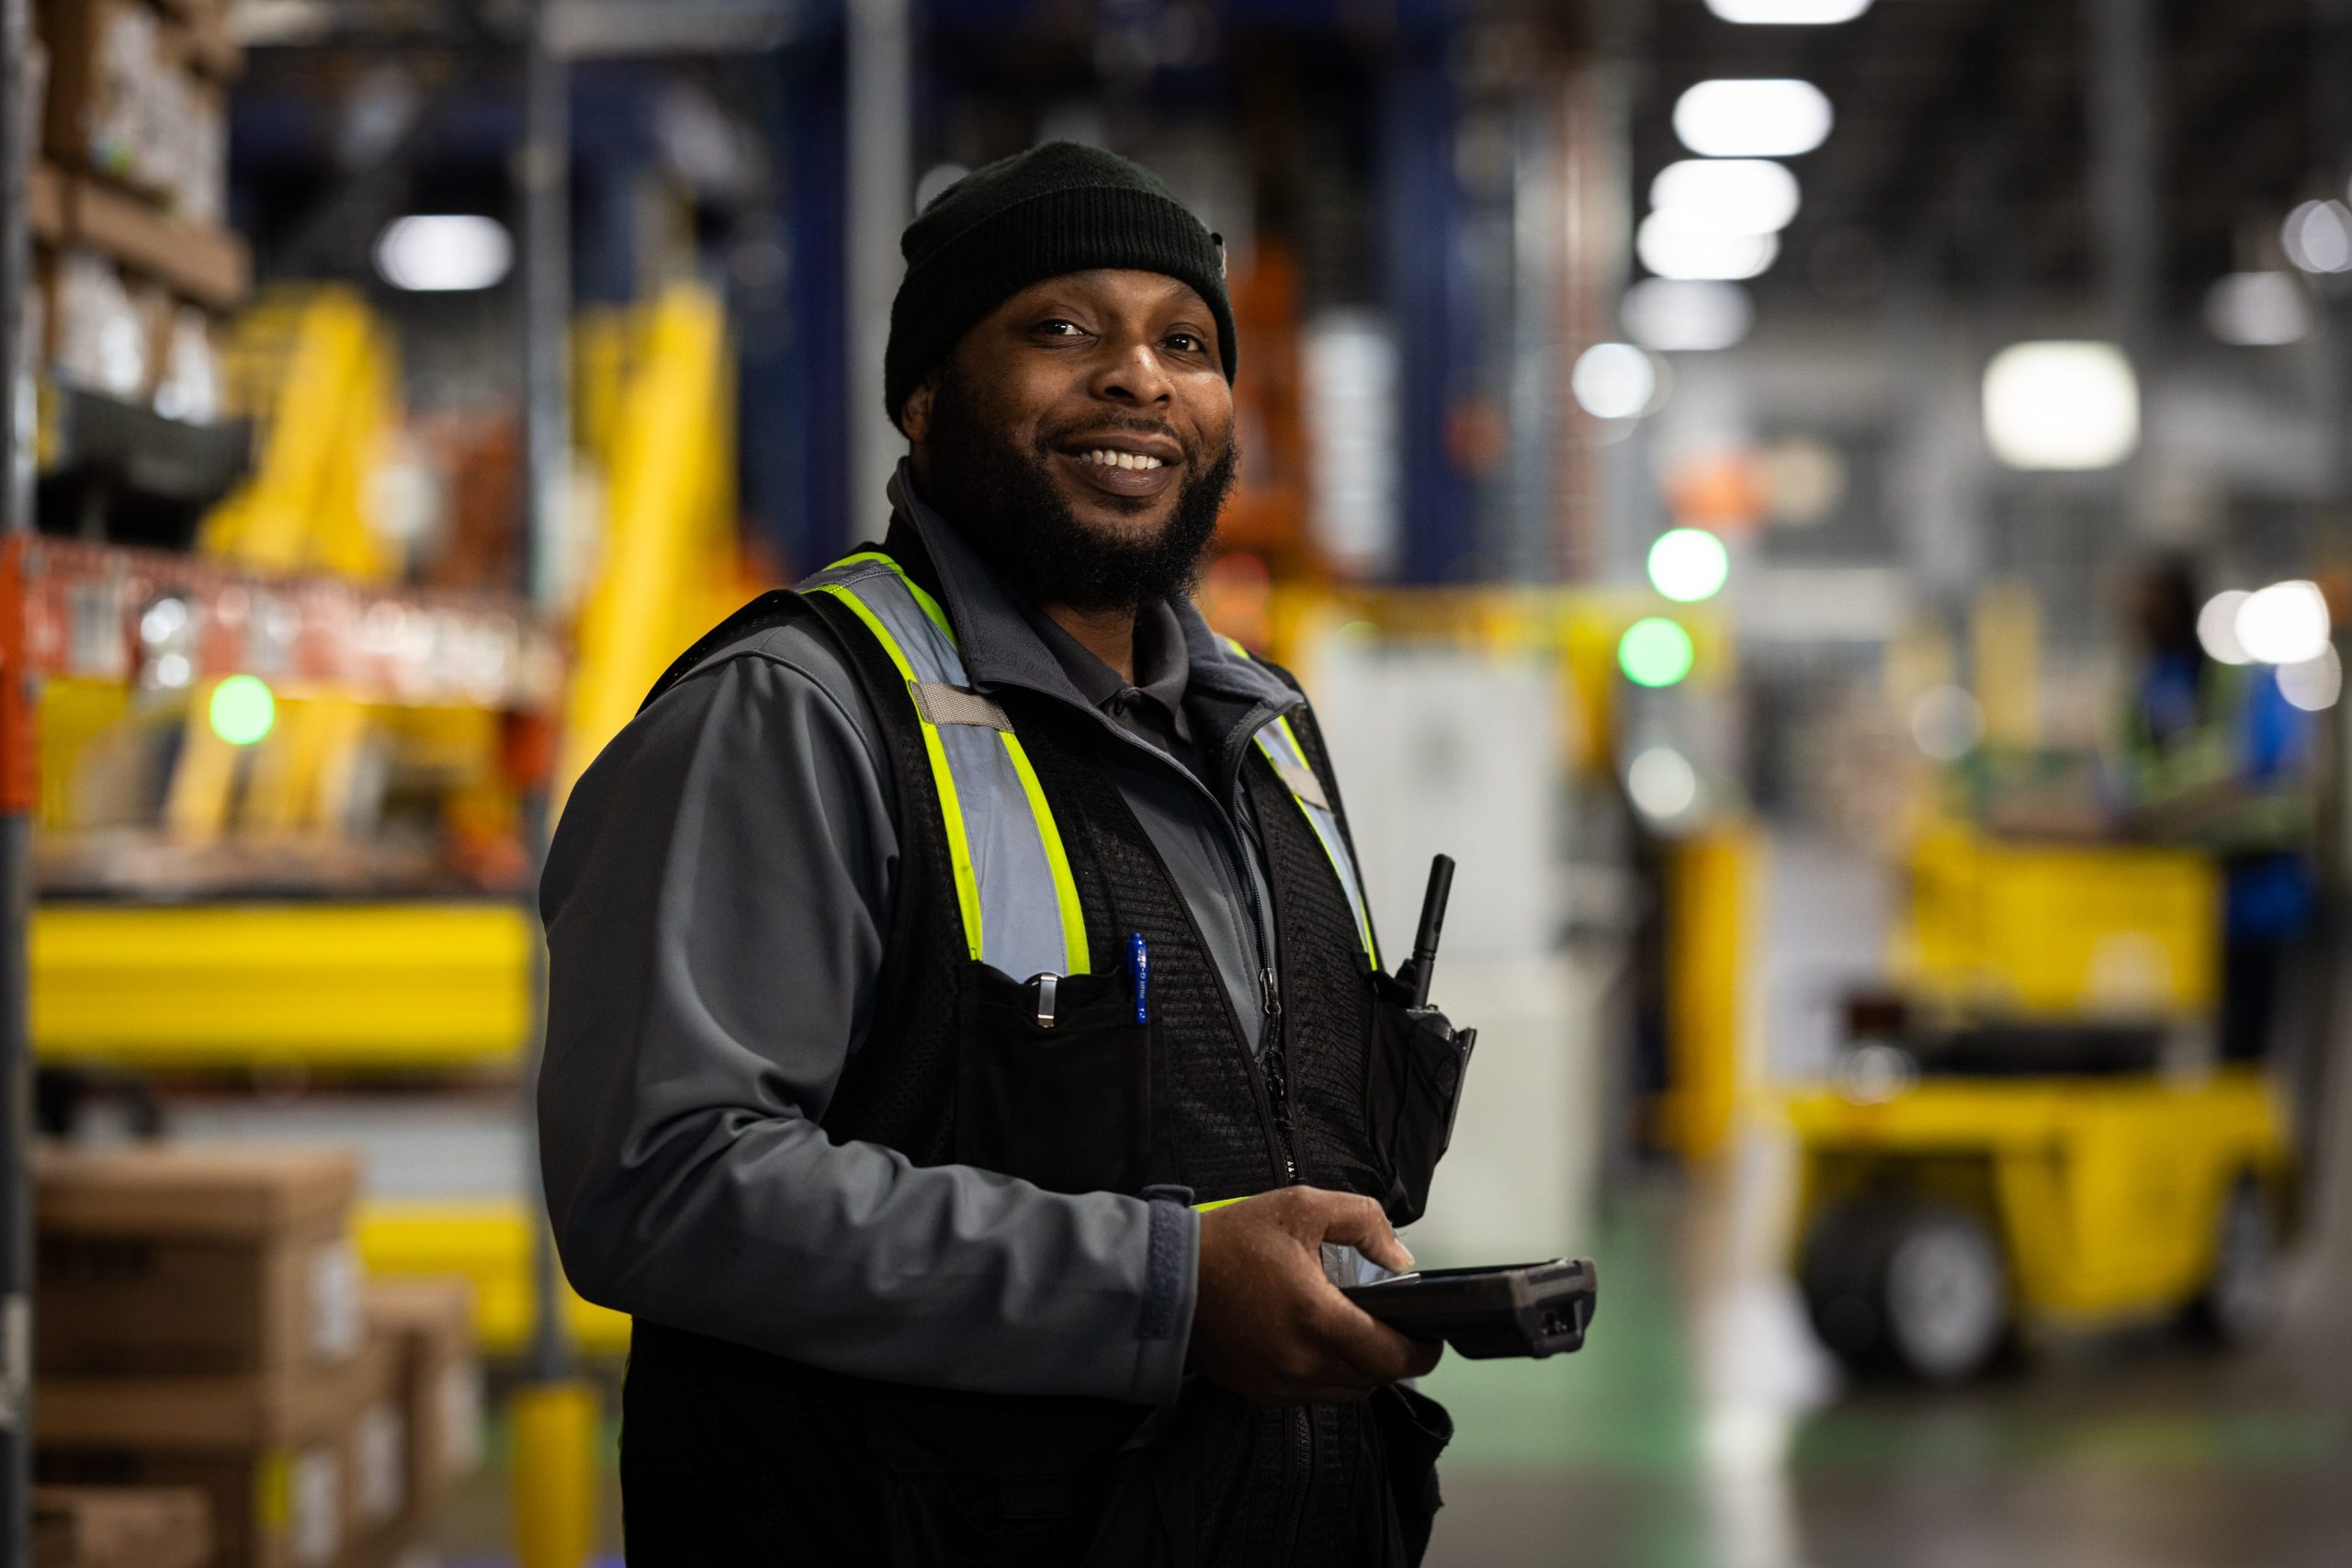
[[1020, 921], [1279, 742]]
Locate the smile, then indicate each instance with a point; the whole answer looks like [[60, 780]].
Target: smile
[[1102, 456]]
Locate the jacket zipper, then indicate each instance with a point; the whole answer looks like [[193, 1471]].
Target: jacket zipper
[[1273, 1062], [1270, 1067]]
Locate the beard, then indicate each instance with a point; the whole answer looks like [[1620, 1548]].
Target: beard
[[1009, 510]]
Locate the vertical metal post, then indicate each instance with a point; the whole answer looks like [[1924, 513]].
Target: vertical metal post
[[1596, 200], [554, 1415], [544, 173], [2127, 243], [880, 164], [16, 840]]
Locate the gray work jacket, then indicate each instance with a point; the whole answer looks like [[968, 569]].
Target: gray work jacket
[[716, 901]]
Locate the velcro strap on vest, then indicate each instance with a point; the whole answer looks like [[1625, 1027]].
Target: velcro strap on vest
[[943, 703]]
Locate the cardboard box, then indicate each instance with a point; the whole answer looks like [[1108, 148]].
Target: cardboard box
[[430, 1321], [274, 1455], [45, 196], [201, 262], [180, 1260], [128, 84], [122, 1527]]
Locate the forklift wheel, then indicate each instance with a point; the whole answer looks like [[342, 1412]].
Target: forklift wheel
[[2241, 1299], [1919, 1288]]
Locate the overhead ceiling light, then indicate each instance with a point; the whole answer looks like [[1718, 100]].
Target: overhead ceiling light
[[1662, 783], [1686, 318], [2285, 623], [2317, 237], [1613, 381], [1688, 564], [1673, 250], [444, 252], [1727, 196], [2315, 683], [2062, 405], [2217, 627], [1772, 116], [1789, 13], [2258, 309]]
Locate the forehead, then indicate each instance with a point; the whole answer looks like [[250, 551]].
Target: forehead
[[1121, 288]]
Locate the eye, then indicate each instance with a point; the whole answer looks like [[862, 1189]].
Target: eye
[[1187, 342], [1057, 326]]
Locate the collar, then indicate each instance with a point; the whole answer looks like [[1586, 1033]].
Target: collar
[[1000, 644]]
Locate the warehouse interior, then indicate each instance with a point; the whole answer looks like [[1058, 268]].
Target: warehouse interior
[[1835, 513]]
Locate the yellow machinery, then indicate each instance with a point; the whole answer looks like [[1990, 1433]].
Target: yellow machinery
[[2066, 1157]]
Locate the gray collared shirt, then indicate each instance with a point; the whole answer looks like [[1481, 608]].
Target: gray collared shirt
[[718, 899]]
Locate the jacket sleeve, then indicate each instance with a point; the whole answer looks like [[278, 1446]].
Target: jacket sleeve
[[716, 900]]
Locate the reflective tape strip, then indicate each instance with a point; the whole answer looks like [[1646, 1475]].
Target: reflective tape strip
[[1013, 885], [1289, 759], [1291, 766], [1221, 1203], [943, 777], [1073, 917]]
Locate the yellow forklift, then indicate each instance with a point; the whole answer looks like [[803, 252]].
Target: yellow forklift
[[2037, 1134]]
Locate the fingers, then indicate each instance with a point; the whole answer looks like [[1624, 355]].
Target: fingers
[[1370, 1347], [1358, 1222]]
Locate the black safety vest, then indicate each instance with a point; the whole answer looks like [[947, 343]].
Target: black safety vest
[[730, 1455]]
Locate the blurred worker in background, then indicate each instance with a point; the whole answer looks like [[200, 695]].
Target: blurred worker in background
[[2220, 759], [940, 934]]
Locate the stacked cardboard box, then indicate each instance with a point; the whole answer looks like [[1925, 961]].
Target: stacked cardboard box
[[120, 1526], [429, 1322], [198, 1322], [135, 263]]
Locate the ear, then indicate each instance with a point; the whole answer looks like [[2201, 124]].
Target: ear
[[914, 416]]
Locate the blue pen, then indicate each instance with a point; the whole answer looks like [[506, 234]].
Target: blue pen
[[1139, 971]]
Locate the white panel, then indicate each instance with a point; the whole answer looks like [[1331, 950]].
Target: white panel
[[1440, 751]]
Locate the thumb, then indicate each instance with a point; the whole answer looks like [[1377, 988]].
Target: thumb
[[1358, 1222]]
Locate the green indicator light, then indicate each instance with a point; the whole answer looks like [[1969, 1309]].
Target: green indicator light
[[243, 711], [1688, 564], [1655, 652]]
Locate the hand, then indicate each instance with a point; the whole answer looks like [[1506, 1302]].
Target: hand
[[1267, 1324]]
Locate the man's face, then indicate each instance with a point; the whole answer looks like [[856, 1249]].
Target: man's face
[[1082, 435]]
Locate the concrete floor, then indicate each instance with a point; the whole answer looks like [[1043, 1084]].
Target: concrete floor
[[1702, 1428]]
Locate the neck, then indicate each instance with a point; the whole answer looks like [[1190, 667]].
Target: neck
[[1109, 634]]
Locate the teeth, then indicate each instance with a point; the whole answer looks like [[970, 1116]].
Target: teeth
[[1111, 459]]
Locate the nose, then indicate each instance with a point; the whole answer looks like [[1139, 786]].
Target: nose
[[1133, 375]]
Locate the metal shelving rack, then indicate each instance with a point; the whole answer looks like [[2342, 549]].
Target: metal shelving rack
[[15, 835]]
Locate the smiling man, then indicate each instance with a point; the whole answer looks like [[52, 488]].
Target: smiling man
[[963, 1004]]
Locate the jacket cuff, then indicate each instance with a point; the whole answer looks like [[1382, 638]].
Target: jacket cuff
[[1172, 1275]]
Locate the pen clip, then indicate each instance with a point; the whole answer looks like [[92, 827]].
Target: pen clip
[[1044, 988]]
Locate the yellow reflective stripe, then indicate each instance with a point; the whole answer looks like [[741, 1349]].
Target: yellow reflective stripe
[[1354, 890], [951, 806], [930, 606], [1221, 1203], [1075, 952]]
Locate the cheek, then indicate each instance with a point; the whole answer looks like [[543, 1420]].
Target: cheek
[[1212, 418]]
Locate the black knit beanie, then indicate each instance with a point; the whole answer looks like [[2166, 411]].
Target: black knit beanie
[[1056, 208]]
